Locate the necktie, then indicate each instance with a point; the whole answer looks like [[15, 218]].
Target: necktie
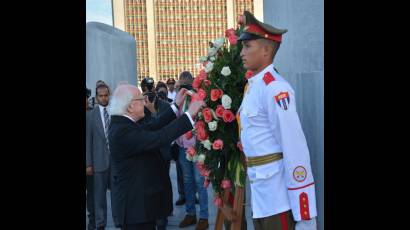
[[106, 121]]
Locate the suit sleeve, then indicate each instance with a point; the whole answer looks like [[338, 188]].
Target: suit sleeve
[[142, 140], [89, 139], [160, 120], [282, 114]]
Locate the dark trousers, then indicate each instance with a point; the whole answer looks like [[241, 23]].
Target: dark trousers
[[143, 226], [180, 175], [282, 221], [90, 202]]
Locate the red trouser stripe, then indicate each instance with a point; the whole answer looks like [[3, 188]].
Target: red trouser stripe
[[283, 221]]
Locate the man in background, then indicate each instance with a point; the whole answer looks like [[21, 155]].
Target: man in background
[[98, 154]]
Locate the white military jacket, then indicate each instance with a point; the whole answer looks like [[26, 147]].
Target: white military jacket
[[270, 124]]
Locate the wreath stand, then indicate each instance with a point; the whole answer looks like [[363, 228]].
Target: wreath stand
[[233, 214]]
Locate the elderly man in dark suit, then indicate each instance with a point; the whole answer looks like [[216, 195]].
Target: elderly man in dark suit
[[98, 154], [141, 188]]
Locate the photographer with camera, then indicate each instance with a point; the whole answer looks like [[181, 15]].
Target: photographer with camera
[[147, 87], [157, 103]]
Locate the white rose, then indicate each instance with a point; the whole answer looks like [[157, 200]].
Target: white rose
[[212, 58], [188, 157], [212, 51], [195, 158], [207, 144], [218, 43], [201, 158], [226, 101], [209, 67], [213, 125], [203, 59], [226, 71]]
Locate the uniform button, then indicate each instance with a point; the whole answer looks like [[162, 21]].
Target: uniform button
[[304, 199], [304, 206], [305, 213]]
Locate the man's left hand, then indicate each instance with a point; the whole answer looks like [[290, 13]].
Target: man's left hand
[[306, 224], [179, 99]]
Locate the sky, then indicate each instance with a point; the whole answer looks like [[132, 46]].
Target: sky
[[99, 11]]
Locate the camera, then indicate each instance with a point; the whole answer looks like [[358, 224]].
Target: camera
[[162, 95], [148, 82], [186, 86]]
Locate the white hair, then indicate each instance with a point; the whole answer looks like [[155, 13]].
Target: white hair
[[120, 100]]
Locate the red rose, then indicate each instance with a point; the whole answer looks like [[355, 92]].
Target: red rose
[[219, 111], [202, 75], [218, 144], [218, 201], [188, 135], [207, 82], [230, 32], [228, 116], [199, 125], [206, 183], [191, 151], [216, 94], [233, 39], [226, 184], [201, 94], [204, 172], [200, 166], [239, 145], [202, 135], [206, 112], [196, 83], [248, 74]]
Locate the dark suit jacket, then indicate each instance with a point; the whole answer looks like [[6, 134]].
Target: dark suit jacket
[[141, 190], [160, 106]]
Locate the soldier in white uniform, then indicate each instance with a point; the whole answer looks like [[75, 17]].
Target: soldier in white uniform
[[278, 161]]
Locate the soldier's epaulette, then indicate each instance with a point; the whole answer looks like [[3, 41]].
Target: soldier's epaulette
[[268, 78]]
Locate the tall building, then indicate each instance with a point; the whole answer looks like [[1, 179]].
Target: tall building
[[172, 34]]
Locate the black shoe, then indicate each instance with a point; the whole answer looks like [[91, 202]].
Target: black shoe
[[196, 200], [180, 202]]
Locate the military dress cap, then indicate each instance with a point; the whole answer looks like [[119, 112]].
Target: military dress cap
[[254, 29], [170, 81]]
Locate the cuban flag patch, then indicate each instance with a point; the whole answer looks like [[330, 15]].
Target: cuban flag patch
[[283, 100]]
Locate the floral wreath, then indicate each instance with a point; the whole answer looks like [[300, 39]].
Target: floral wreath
[[220, 83]]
